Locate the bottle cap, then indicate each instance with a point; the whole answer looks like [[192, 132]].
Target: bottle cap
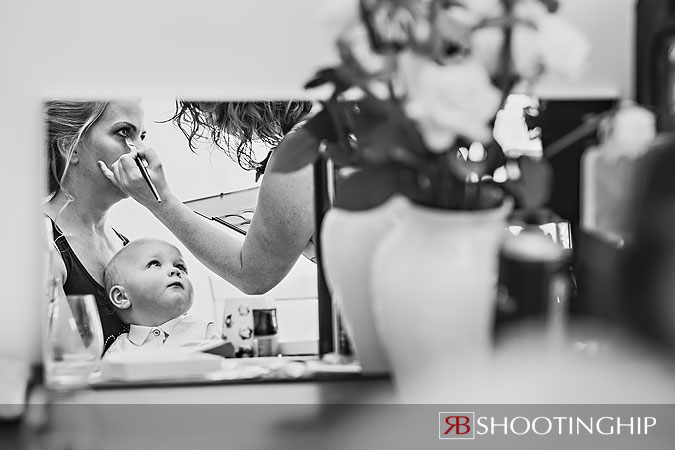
[[265, 322]]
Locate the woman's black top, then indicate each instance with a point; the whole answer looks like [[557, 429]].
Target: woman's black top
[[80, 282]]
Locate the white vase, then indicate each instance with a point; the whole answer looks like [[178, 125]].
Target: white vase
[[433, 281], [348, 240]]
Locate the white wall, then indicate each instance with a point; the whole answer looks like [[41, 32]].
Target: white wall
[[197, 48]]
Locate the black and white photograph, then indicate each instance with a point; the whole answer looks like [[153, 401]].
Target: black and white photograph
[[338, 224]]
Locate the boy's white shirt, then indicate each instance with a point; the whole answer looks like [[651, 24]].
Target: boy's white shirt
[[172, 333]]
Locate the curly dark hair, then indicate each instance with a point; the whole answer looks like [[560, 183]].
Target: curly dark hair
[[233, 126]]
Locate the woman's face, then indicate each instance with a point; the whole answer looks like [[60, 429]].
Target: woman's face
[[105, 139]]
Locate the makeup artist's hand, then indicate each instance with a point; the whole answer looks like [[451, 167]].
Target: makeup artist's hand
[[125, 174]]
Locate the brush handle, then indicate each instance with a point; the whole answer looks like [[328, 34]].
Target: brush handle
[[146, 177]]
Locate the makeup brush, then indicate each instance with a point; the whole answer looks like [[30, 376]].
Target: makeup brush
[[144, 171]]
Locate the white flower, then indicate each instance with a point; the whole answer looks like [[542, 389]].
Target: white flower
[[628, 133], [355, 49], [447, 101], [486, 46], [543, 43], [554, 46], [565, 49]]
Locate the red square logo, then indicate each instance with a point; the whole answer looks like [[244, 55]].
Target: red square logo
[[456, 425]]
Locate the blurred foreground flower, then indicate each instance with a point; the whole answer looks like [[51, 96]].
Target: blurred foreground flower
[[426, 79], [441, 110]]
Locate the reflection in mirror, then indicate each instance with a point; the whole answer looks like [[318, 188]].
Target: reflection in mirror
[[226, 237], [206, 161]]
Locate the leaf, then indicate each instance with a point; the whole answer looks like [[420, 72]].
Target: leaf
[[321, 126], [379, 17], [338, 77], [495, 156], [295, 151], [341, 156], [384, 133], [300, 148], [390, 109], [368, 187], [462, 169], [385, 143], [491, 196], [392, 112], [551, 5]]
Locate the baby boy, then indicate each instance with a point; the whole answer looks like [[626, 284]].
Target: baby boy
[[147, 281]]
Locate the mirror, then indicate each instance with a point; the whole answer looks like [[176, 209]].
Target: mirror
[[217, 188]]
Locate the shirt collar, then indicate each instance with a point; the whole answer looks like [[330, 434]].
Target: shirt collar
[[169, 325], [139, 333]]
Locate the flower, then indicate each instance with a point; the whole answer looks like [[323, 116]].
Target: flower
[[553, 46], [364, 64], [430, 77], [443, 112], [541, 43]]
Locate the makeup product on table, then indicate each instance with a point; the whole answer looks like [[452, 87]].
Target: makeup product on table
[[265, 331]]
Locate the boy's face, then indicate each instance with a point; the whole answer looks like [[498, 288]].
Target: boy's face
[[155, 279]]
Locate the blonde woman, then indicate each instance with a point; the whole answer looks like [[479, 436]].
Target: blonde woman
[[79, 135]]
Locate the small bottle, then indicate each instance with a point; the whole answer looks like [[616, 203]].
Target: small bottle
[[265, 331]]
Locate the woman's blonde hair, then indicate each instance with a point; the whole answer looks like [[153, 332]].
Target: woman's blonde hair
[[233, 126], [67, 123]]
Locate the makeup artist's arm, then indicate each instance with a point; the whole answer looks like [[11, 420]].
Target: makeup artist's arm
[[281, 228]]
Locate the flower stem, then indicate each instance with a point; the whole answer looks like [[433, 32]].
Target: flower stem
[[334, 109], [505, 61]]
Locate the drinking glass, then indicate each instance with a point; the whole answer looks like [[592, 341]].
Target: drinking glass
[[74, 341]]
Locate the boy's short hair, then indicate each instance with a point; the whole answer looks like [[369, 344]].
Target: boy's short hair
[[112, 270]]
